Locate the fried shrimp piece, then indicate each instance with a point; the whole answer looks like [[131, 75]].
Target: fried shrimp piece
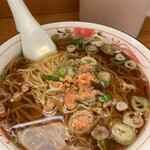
[[50, 105], [81, 122], [16, 97], [69, 100]]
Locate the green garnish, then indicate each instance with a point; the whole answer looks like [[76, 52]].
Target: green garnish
[[100, 133], [105, 98], [91, 49], [53, 78], [67, 70], [107, 144], [139, 104], [107, 49], [3, 74], [77, 40], [80, 46], [115, 61], [75, 68], [102, 145], [98, 68], [24, 60]]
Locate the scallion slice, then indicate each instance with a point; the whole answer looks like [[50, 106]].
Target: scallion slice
[[77, 40], [24, 60], [3, 74], [100, 133], [139, 104], [117, 62], [123, 134], [92, 49], [86, 40], [130, 64], [128, 119], [67, 70], [80, 46], [120, 57], [71, 48], [89, 60], [105, 98], [107, 49], [51, 77], [97, 43]]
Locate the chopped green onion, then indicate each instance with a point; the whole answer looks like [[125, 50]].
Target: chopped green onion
[[130, 64], [71, 58], [53, 78], [86, 41], [139, 104], [97, 43], [123, 134], [71, 48], [92, 49], [107, 144], [102, 145], [115, 61], [117, 51], [80, 46], [120, 57], [66, 70], [105, 98], [24, 60], [3, 74], [98, 68], [128, 118], [77, 40], [75, 68], [100, 133], [89, 60], [107, 49]]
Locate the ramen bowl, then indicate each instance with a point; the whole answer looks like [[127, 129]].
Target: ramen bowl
[[136, 50]]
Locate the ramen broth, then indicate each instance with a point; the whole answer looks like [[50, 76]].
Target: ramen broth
[[86, 95]]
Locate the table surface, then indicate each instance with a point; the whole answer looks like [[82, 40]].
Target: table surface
[[8, 29]]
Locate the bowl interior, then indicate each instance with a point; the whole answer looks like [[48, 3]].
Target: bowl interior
[[136, 50]]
